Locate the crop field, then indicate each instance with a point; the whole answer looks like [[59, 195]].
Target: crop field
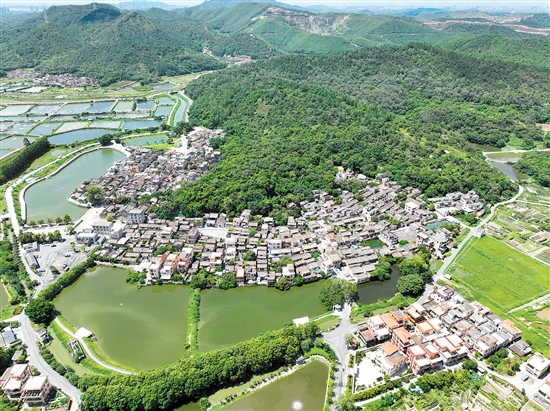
[[499, 276]]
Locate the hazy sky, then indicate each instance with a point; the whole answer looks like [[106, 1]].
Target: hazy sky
[[464, 4]]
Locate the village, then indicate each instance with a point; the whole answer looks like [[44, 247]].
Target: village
[[60, 80]]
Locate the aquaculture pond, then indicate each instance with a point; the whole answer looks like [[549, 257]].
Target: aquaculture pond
[[163, 111], [101, 107], [45, 129], [48, 198], [123, 106], [105, 124], [145, 105], [20, 128], [43, 109], [304, 389], [145, 141], [136, 124], [74, 108], [14, 142], [15, 110], [228, 317], [78, 135], [22, 119], [162, 101], [140, 328], [180, 113]]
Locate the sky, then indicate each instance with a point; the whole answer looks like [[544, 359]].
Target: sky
[[460, 4]]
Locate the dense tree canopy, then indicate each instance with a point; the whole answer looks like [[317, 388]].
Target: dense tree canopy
[[40, 311], [536, 165], [192, 378], [337, 291]]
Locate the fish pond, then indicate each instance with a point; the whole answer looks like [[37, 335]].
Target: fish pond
[[45, 129], [140, 328], [304, 389], [78, 135], [15, 110], [73, 108], [137, 124], [48, 198], [146, 141], [228, 317]]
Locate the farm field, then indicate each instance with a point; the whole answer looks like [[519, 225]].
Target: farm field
[[500, 276]]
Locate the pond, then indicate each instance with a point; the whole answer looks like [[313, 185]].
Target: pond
[[43, 109], [231, 316], [373, 291], [21, 128], [105, 124], [487, 149], [505, 157], [5, 126], [123, 106], [374, 243], [15, 110], [509, 170], [163, 111], [305, 389], [165, 101], [21, 119], [74, 108], [145, 105], [63, 356], [163, 86], [143, 328], [145, 141], [101, 107], [44, 129], [135, 124], [14, 142], [78, 135], [48, 198], [144, 114]]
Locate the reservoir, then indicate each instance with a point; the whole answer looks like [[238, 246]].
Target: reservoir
[[48, 198], [509, 170], [231, 316], [304, 390], [140, 328]]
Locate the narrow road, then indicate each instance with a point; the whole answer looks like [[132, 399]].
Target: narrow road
[[89, 352], [336, 339], [27, 335], [530, 303]]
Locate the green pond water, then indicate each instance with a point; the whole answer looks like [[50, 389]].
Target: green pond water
[[145, 141], [228, 317], [303, 390], [373, 291], [140, 328], [63, 356], [48, 198], [180, 113]]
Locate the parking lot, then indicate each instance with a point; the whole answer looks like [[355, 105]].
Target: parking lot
[[61, 255], [367, 372]]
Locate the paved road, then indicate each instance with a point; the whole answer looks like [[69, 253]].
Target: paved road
[[27, 335], [336, 339], [89, 352]]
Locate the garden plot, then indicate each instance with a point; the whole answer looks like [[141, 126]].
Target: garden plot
[[75, 125]]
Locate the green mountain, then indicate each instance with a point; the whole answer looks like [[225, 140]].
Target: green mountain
[[533, 52], [107, 43], [410, 112]]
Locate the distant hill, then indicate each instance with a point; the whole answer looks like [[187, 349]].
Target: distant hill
[[143, 5], [217, 4], [532, 52], [539, 20]]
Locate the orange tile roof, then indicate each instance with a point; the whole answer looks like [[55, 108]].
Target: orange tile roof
[[389, 320], [389, 348]]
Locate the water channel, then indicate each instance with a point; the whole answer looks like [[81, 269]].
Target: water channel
[[180, 113], [302, 390], [48, 198]]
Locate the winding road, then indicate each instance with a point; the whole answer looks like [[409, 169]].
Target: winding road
[[89, 352], [27, 335]]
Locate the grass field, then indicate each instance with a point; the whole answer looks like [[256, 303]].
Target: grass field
[[499, 275]]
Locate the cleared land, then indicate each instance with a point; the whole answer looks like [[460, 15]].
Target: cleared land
[[499, 275]]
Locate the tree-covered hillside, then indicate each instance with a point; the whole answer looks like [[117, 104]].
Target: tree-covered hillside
[[410, 112]]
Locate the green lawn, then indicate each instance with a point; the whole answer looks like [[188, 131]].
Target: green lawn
[[499, 275]]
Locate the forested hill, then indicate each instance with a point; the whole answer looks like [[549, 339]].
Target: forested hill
[[103, 42], [410, 112]]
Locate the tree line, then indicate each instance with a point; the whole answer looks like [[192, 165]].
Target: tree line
[[14, 165]]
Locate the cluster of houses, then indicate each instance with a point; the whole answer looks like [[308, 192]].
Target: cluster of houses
[[146, 171], [18, 383], [439, 333], [61, 80], [326, 236], [455, 202]]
